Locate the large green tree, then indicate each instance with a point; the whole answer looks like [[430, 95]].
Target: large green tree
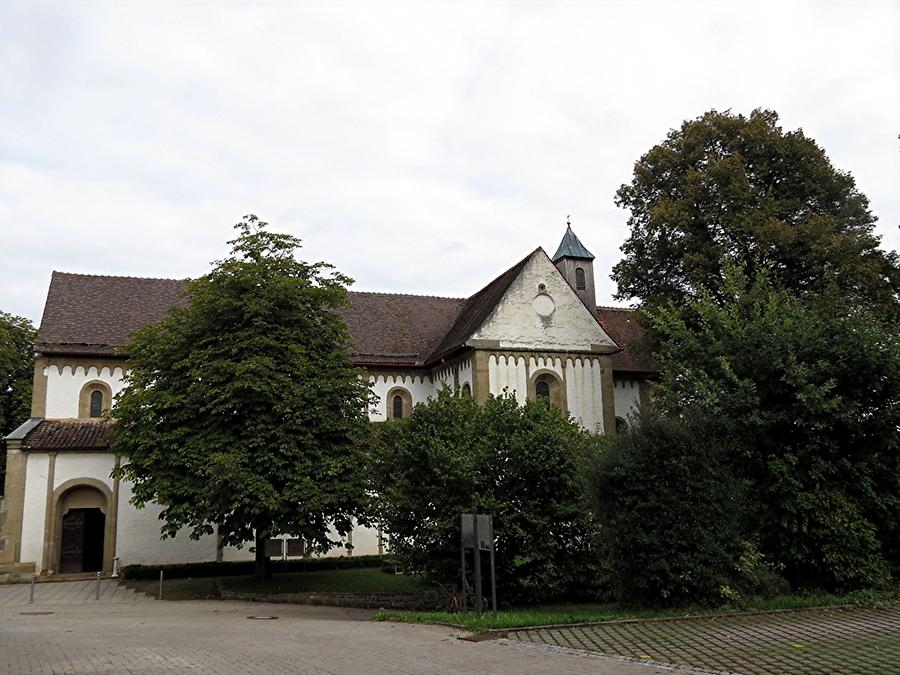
[[16, 365], [728, 189], [523, 464], [242, 412], [808, 394], [671, 512]]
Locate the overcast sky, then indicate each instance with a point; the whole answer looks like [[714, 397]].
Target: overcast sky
[[421, 148]]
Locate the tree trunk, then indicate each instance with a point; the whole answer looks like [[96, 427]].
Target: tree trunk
[[261, 573]]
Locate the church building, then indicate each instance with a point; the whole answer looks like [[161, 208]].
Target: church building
[[534, 331]]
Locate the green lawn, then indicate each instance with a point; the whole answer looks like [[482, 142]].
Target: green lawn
[[176, 589], [543, 615], [356, 580]]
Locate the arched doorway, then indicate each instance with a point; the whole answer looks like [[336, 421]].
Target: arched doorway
[[82, 530]]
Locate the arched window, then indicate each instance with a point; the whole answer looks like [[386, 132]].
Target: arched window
[[580, 284], [96, 403], [398, 403], [94, 400], [546, 386], [466, 389]]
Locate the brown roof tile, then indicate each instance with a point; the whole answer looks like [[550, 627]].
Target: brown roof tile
[[622, 326], [89, 314], [395, 329], [476, 309], [68, 435]]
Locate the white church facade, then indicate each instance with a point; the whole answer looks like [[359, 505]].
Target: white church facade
[[534, 331]]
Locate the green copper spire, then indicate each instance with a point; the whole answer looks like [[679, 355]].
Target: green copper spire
[[571, 247]]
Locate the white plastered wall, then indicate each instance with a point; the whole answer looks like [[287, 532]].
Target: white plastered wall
[[508, 373], [627, 397], [516, 324], [138, 537], [64, 386], [75, 465], [36, 468], [584, 393]]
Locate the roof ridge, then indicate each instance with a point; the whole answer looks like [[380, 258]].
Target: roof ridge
[[116, 276], [624, 309], [407, 295]]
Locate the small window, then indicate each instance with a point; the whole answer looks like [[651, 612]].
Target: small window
[[466, 390], [96, 403], [621, 425], [397, 404], [542, 389], [580, 284]]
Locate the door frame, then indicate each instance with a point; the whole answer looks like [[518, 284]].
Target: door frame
[[54, 535]]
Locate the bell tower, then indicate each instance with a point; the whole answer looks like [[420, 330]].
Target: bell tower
[[576, 264]]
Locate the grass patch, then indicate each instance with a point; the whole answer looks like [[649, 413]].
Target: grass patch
[[361, 580], [562, 613], [176, 589]]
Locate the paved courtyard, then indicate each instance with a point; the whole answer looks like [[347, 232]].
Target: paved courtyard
[[66, 630], [813, 641], [76, 634]]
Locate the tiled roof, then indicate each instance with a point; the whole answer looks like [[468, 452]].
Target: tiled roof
[[94, 315], [394, 329], [68, 434], [622, 326], [571, 247], [89, 314], [477, 308]]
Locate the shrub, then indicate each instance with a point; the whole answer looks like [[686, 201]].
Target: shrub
[[523, 464], [670, 513], [243, 567]]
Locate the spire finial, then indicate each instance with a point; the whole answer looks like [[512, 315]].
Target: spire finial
[[568, 220]]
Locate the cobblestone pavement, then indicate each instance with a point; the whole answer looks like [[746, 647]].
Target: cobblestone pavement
[[68, 593], [218, 637], [811, 641]]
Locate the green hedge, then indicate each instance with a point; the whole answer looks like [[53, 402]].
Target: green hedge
[[229, 569]]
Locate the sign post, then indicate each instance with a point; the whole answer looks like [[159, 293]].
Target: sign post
[[477, 533]]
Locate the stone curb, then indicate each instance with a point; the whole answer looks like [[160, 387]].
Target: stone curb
[[500, 633]]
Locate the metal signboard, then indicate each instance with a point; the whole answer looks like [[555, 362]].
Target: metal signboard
[[274, 548]]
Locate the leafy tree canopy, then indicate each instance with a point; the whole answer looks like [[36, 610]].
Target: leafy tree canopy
[[808, 393], [16, 374], [523, 464], [242, 409], [726, 189], [671, 513]]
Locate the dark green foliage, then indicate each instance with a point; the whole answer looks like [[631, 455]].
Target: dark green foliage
[[242, 409], [809, 395], [16, 367], [728, 189], [232, 569], [671, 513], [521, 464]]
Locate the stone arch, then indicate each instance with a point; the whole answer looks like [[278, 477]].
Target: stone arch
[[84, 398], [550, 379], [81, 493], [405, 406]]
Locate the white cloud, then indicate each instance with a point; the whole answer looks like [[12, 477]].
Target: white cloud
[[419, 147]]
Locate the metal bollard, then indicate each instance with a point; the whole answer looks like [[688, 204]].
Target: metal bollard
[[31, 595], [98, 586], [160, 584]]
